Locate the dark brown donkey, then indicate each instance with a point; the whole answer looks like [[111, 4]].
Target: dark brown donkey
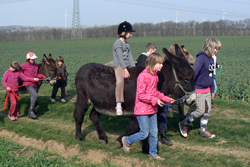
[[95, 83]]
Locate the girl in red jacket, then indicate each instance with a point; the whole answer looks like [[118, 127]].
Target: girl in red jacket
[[146, 105], [10, 82], [30, 69]]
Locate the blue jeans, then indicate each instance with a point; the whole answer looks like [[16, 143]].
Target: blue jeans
[[33, 94], [215, 89], [148, 127]]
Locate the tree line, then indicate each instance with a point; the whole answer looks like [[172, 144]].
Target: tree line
[[190, 28]]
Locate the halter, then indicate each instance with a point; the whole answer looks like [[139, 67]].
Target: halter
[[177, 83], [46, 71]]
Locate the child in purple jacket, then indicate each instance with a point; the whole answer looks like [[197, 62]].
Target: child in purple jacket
[[10, 82], [204, 87]]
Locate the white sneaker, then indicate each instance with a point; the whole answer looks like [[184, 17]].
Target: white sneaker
[[52, 100], [119, 111], [63, 100]]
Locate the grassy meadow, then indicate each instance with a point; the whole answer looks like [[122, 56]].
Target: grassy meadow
[[230, 121]]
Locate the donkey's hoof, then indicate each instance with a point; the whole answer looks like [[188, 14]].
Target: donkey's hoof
[[118, 144], [79, 138], [103, 142]]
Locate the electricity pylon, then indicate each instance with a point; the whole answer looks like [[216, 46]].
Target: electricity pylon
[[76, 24]]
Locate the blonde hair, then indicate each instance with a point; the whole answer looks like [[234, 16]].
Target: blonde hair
[[218, 46], [60, 58], [15, 65], [152, 60], [209, 46]]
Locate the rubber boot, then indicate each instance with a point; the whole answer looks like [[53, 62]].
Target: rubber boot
[[32, 114], [164, 139]]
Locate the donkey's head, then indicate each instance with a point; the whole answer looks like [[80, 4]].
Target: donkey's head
[[48, 68], [182, 71]]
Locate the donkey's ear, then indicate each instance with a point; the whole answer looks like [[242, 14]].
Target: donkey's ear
[[50, 56], [178, 51], [45, 59], [172, 58]]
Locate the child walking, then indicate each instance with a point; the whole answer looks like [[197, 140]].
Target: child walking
[[61, 82], [150, 48], [10, 82], [204, 87], [161, 115], [216, 66], [146, 105], [30, 69], [122, 59]]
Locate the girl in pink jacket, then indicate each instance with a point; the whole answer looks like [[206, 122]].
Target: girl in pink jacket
[[10, 82], [30, 69], [146, 105]]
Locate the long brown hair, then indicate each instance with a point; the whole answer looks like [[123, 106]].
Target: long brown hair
[[152, 60], [60, 58]]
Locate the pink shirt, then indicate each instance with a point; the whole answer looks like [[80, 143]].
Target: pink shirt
[[31, 70], [10, 79], [203, 90], [147, 94]]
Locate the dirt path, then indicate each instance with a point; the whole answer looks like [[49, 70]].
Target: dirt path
[[98, 156]]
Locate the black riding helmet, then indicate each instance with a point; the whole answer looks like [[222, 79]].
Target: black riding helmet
[[125, 26]]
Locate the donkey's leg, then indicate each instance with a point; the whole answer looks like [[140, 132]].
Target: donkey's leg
[[181, 110], [95, 118], [81, 108]]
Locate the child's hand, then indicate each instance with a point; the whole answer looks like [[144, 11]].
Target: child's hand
[[36, 79], [8, 88], [160, 103], [212, 96], [172, 100], [126, 73]]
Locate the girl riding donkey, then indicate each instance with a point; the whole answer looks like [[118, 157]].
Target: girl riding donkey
[[122, 59]]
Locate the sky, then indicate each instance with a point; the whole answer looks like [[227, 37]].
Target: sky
[[50, 13]]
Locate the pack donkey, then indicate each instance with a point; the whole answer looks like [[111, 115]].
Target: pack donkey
[[95, 82]]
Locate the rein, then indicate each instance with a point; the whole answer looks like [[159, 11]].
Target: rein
[[169, 105], [7, 94]]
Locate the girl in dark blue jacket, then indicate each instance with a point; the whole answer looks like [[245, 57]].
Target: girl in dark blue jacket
[[204, 87]]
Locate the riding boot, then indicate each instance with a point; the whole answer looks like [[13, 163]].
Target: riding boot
[[164, 139], [32, 114]]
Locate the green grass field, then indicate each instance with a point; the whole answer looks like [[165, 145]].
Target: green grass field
[[230, 121]]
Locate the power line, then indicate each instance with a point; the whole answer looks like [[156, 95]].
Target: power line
[[11, 1], [164, 5]]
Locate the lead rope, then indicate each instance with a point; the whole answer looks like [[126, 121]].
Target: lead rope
[[7, 93], [169, 105]]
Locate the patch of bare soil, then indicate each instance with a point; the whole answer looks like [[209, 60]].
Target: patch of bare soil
[[94, 156], [213, 150]]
